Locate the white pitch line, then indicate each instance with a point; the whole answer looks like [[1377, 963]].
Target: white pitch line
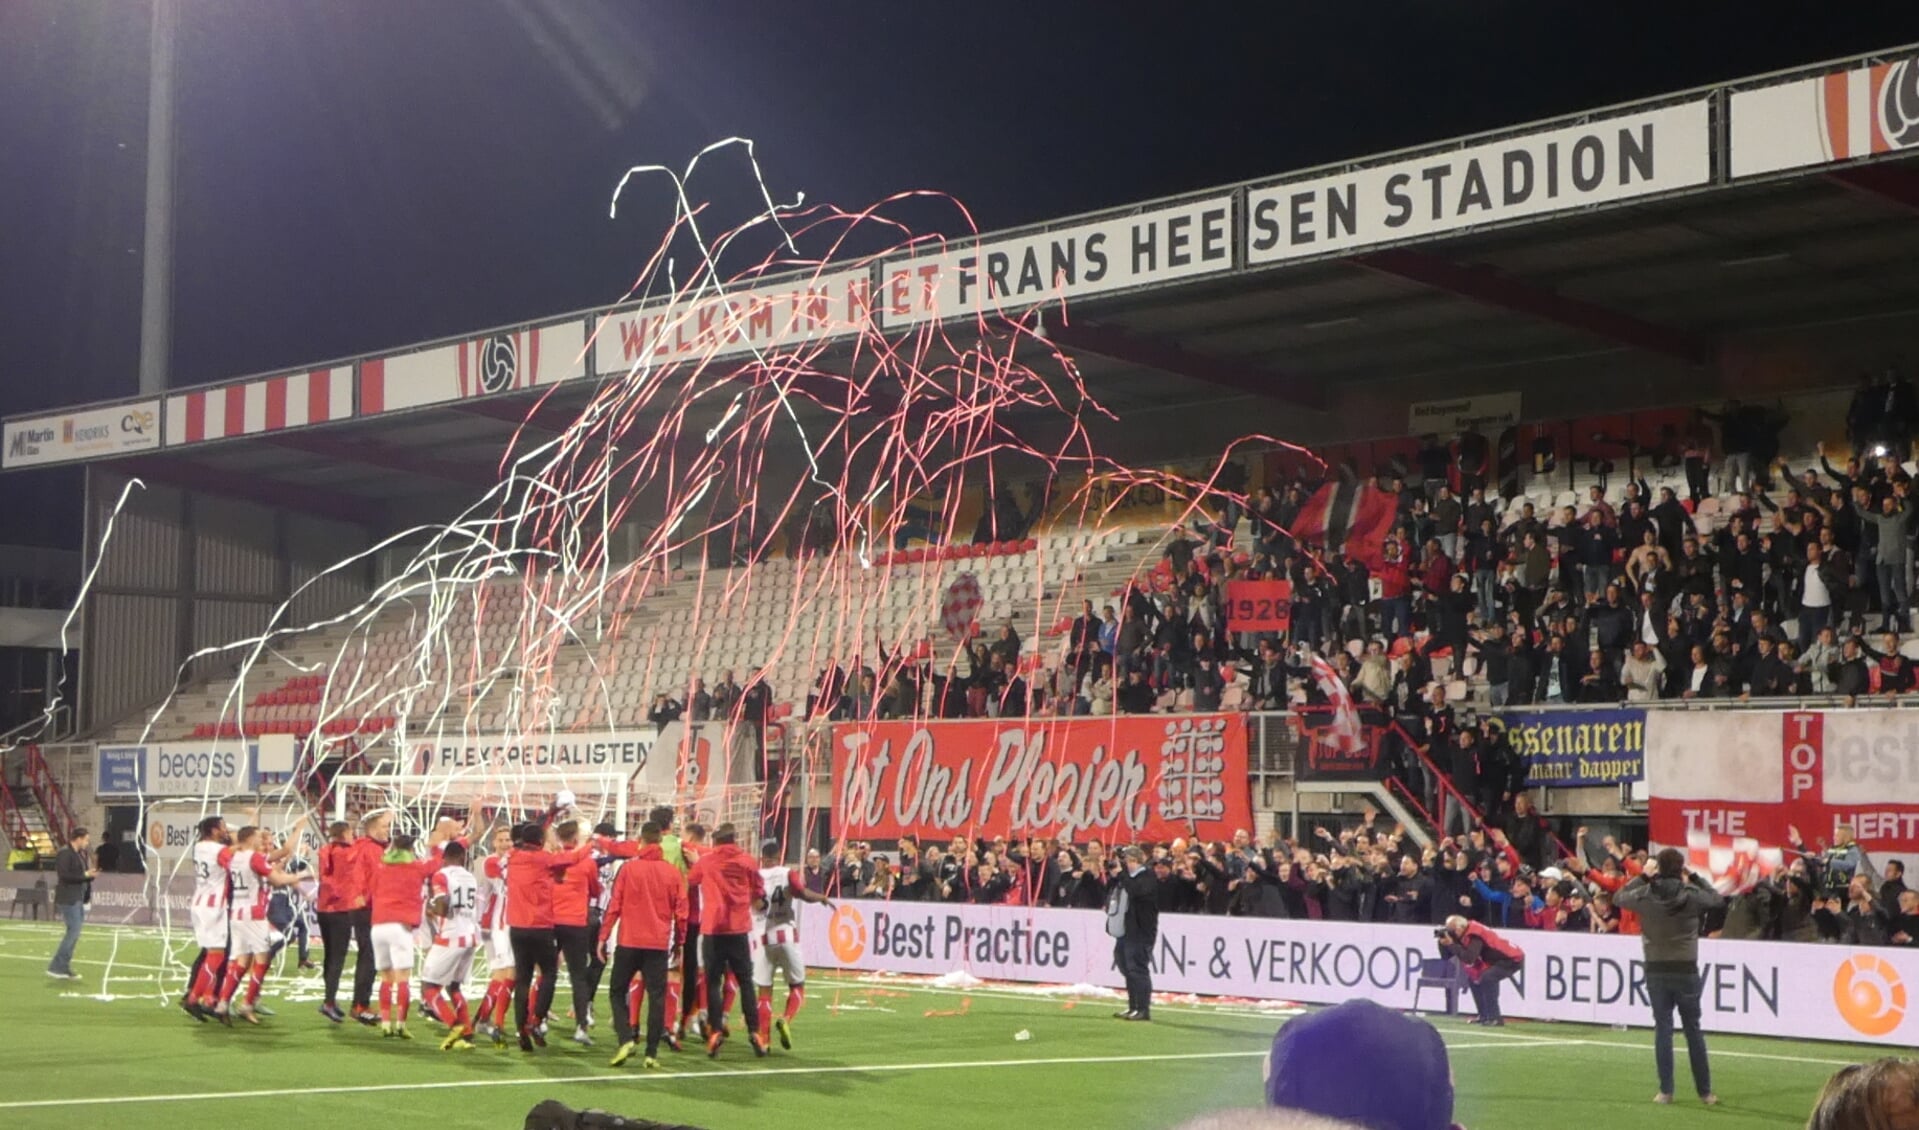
[[559, 1080], [1715, 1053]]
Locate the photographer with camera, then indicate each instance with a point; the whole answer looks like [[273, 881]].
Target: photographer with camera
[[1671, 904], [1487, 959]]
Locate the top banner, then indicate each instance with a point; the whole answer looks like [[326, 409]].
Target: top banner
[[1179, 241], [1487, 412], [1844, 115], [1636, 154], [1759, 772], [88, 433], [1122, 778]]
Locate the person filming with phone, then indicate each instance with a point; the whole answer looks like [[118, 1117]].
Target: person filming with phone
[[1671, 902]]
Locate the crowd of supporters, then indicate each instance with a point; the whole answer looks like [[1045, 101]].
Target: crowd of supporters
[[1510, 874]]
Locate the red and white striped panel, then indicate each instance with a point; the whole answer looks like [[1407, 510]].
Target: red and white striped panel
[[485, 366], [270, 404]]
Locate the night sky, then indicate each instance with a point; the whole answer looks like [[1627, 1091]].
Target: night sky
[[358, 174]]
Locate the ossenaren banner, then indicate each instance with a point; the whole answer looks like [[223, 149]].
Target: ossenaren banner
[[1534, 174], [1812, 991], [1122, 778], [1570, 748], [1757, 773]]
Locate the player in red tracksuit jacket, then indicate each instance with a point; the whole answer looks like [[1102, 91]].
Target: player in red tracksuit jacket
[[574, 891], [341, 895], [398, 901], [730, 887], [367, 850], [530, 878], [647, 912]]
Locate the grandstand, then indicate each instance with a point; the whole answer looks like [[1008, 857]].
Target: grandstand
[[1601, 318]]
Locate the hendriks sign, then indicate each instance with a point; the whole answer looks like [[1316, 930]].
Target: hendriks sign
[[1636, 154], [82, 434], [1814, 992]]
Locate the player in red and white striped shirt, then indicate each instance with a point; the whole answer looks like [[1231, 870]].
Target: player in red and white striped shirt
[[209, 916], [455, 906], [776, 941], [251, 873], [499, 943]]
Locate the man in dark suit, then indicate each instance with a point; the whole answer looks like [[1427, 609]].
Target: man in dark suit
[[70, 897], [1132, 918]]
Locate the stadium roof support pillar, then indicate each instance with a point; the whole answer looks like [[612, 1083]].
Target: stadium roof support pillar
[[174, 471], [378, 455], [1240, 376], [1895, 184], [1492, 288]]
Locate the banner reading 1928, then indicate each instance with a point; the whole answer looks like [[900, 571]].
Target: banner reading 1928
[[1122, 778], [1259, 606]]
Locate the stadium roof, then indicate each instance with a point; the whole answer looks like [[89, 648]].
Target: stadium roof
[[1666, 235]]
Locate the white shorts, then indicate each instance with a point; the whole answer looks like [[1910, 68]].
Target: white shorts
[[447, 965], [784, 956], [250, 935], [392, 946], [210, 927], [499, 951]]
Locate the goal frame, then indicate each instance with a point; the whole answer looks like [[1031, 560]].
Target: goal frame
[[470, 792]]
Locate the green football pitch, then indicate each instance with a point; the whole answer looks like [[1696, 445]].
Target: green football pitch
[[102, 1051]]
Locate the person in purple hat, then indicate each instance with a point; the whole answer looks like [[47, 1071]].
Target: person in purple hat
[[1313, 1068]]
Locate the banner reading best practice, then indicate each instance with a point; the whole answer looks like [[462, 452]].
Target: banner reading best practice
[[1817, 992], [1122, 778], [1571, 748]]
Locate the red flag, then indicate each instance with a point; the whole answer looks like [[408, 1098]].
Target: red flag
[[1732, 865], [1350, 516]]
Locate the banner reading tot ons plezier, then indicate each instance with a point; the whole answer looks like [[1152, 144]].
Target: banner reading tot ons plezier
[[1121, 778], [1812, 991]]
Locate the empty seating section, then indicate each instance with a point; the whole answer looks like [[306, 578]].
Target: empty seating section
[[463, 661]]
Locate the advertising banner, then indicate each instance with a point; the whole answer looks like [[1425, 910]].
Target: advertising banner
[[1259, 606], [173, 827], [1573, 748], [1556, 170], [1179, 241], [83, 434], [1754, 773], [1121, 778], [1488, 412], [501, 362], [118, 899], [1860, 111], [735, 322], [214, 767], [1817, 992], [669, 761], [269, 404]]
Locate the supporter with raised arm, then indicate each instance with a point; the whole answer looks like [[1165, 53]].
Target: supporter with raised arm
[[1671, 904]]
